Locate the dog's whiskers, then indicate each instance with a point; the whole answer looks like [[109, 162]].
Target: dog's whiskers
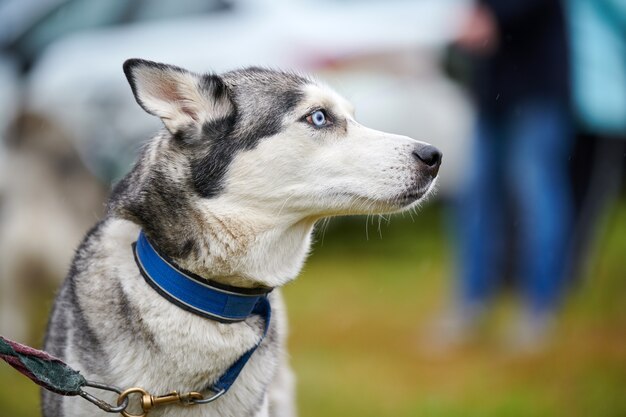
[[284, 203], [324, 227]]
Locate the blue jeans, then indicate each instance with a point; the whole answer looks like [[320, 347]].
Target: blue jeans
[[520, 161]]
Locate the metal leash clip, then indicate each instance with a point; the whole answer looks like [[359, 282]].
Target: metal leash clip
[[103, 405], [148, 401]]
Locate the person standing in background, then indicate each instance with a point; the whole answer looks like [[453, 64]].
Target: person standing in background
[[517, 178], [598, 43]]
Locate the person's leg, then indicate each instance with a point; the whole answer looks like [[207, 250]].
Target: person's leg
[[475, 222], [479, 222], [541, 139], [601, 161]]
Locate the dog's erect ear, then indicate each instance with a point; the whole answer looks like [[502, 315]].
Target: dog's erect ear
[[179, 97]]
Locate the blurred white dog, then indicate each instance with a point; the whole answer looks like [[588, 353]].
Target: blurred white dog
[[48, 199]]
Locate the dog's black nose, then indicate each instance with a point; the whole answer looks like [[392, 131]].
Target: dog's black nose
[[430, 156]]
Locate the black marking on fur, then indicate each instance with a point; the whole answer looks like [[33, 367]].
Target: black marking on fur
[[84, 336], [90, 351], [150, 197], [207, 171], [50, 404], [132, 321], [261, 99], [64, 313], [218, 129], [259, 403], [213, 85], [188, 246]]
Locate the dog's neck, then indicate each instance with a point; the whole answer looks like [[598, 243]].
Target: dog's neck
[[222, 238], [249, 249]]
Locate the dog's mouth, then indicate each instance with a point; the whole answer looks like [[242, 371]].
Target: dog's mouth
[[400, 202], [412, 196], [409, 197]]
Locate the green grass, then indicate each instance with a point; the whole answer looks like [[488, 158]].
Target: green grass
[[357, 318]]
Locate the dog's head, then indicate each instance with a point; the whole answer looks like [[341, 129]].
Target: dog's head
[[268, 147]]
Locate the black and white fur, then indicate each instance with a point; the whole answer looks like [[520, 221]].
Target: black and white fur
[[230, 190]]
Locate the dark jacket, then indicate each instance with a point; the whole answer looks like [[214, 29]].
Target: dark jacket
[[531, 60]]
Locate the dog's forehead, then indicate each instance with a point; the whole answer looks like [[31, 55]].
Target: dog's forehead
[[258, 82], [264, 96], [319, 94], [261, 87]]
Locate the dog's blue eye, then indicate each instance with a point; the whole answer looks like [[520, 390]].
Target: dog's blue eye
[[317, 118]]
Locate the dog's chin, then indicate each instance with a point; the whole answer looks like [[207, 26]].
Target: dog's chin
[[410, 199], [405, 200]]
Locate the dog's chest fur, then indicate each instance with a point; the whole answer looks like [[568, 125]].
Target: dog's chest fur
[[112, 326]]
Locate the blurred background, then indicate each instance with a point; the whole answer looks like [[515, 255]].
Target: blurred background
[[505, 295]]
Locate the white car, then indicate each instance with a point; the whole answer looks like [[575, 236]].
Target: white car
[[78, 82]]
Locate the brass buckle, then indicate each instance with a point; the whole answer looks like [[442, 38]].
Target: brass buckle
[[148, 401]]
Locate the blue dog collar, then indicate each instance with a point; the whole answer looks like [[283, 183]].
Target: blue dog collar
[[204, 298], [191, 292]]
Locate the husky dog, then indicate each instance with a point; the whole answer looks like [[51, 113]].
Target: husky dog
[[229, 192]]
